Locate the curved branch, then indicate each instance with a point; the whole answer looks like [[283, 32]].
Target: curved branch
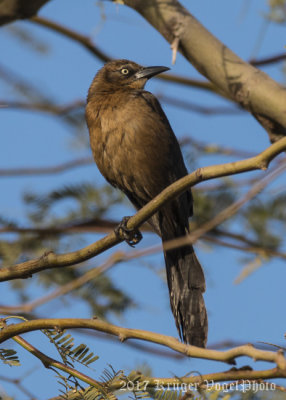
[[242, 82], [228, 356], [52, 260], [82, 39], [194, 381]]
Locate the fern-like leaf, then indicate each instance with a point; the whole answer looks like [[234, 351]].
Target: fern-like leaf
[[64, 344], [9, 356]]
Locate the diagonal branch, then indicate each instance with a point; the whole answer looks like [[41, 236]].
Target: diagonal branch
[[51, 260], [49, 362], [236, 79], [76, 36]]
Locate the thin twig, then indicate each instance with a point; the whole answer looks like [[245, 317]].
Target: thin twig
[[262, 251], [82, 39], [46, 170], [190, 106], [64, 289], [269, 59], [49, 362], [18, 384], [43, 107]]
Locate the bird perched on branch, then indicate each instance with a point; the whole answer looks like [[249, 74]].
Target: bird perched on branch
[[137, 151]]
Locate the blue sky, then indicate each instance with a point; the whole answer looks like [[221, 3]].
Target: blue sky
[[248, 312]]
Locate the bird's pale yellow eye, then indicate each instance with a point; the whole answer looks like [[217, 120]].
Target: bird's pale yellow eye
[[125, 71]]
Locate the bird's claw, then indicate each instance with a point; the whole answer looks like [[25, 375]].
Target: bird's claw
[[131, 236]]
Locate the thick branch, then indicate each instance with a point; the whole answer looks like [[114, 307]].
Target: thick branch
[[194, 381], [87, 43], [51, 260], [123, 334], [237, 79]]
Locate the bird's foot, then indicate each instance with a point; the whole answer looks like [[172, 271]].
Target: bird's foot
[[131, 236]]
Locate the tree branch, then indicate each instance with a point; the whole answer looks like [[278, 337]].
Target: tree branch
[[46, 107], [49, 362], [18, 384], [52, 260], [262, 251], [82, 39], [46, 170], [251, 88], [228, 356], [87, 43], [202, 381], [268, 60]]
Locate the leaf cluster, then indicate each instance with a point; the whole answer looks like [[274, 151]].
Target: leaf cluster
[[9, 356]]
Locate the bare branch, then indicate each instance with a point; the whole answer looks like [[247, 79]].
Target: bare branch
[[18, 384], [238, 80], [66, 288], [268, 60], [22, 171], [43, 107], [262, 251], [82, 39], [87, 43], [143, 347], [210, 111], [228, 356], [52, 260], [120, 257], [213, 148]]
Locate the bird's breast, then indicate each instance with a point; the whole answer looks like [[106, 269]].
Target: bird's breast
[[112, 142]]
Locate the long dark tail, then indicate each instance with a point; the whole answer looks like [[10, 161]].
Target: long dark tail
[[186, 283]]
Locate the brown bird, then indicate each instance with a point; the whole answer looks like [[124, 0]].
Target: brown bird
[[137, 151]]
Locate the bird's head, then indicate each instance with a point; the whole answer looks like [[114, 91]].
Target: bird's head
[[120, 74]]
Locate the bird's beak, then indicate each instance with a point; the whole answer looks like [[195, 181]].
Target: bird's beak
[[148, 72]]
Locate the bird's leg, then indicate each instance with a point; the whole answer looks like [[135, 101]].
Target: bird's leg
[[131, 236]]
